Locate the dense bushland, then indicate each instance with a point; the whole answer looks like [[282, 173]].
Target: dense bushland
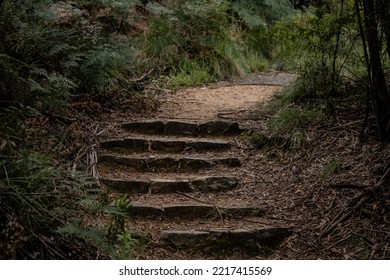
[[56, 54], [339, 53]]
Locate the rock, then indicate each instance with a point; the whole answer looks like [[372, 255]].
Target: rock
[[180, 128], [214, 183], [195, 163], [185, 210], [169, 186], [185, 238], [219, 128], [198, 210], [237, 211], [180, 146], [176, 127], [166, 163], [147, 127], [127, 186], [126, 145], [210, 145], [131, 162], [269, 236], [145, 209], [232, 162], [243, 236], [172, 146], [206, 184]]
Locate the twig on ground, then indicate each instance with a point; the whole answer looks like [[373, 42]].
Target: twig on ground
[[344, 125], [348, 186], [196, 199], [143, 77], [384, 256], [352, 206], [79, 155], [337, 243], [237, 143], [343, 214], [374, 250], [160, 89], [220, 214], [92, 164], [92, 160], [223, 114]]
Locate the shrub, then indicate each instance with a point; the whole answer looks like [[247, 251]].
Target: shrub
[[290, 119], [318, 46]]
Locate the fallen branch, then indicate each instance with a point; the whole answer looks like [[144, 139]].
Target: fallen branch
[[341, 216], [352, 206], [344, 125], [143, 77], [337, 243], [348, 186], [92, 160]]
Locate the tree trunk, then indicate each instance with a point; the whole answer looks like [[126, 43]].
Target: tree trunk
[[381, 98], [384, 20]]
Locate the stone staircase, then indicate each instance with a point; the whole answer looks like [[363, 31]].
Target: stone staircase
[[181, 177]]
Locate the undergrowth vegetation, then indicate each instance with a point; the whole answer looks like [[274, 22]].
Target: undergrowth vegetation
[[328, 46], [62, 62]]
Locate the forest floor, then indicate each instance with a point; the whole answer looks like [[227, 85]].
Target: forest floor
[[328, 190]]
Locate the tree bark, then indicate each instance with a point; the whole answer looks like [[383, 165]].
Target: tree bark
[[384, 20], [381, 98]]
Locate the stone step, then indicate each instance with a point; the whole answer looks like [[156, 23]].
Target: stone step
[[267, 236], [169, 163], [198, 210], [163, 145], [156, 186], [177, 127]]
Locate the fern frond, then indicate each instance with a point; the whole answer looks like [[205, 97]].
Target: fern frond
[[40, 72], [59, 49], [256, 13], [37, 87], [89, 233], [62, 81], [159, 9]]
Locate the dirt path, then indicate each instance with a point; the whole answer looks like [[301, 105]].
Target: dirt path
[[225, 99], [207, 103]]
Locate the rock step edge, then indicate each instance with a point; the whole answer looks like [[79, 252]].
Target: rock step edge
[[170, 163], [269, 236], [195, 210], [158, 186], [177, 127], [173, 146]]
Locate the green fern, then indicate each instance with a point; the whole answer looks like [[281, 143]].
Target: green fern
[[60, 48], [256, 13], [39, 72], [159, 9], [105, 70]]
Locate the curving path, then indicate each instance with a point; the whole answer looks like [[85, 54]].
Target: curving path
[[186, 173]]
